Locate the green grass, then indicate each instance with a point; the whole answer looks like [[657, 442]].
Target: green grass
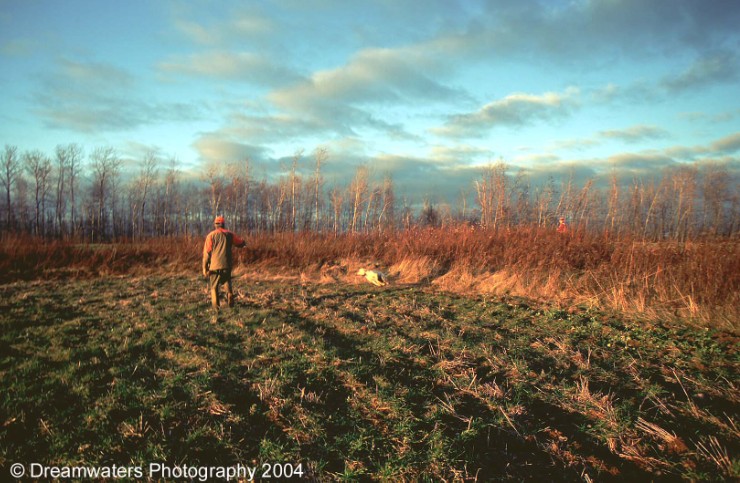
[[356, 382]]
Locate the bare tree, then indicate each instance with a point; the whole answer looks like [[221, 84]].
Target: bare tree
[[484, 196], [407, 214], [215, 179], [247, 185], [67, 173], [520, 202], [39, 167], [11, 170], [372, 208], [337, 199], [171, 197], [544, 196], [74, 167], [491, 191], [233, 193], [105, 166], [566, 194], [684, 186], [429, 215], [582, 209], [463, 204], [613, 215], [142, 185], [358, 195], [387, 217], [658, 210], [294, 188], [61, 199], [500, 186], [321, 155], [715, 191]]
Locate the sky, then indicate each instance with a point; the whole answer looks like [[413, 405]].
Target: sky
[[428, 92]]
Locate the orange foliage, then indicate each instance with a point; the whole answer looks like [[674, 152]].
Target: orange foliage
[[698, 279]]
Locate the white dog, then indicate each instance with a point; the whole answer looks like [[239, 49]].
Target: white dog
[[375, 277]]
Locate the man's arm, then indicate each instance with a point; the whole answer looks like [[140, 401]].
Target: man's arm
[[239, 242], [207, 255]]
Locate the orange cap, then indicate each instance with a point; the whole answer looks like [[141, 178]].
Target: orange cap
[[219, 220]]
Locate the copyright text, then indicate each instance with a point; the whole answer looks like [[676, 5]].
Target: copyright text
[[264, 471]]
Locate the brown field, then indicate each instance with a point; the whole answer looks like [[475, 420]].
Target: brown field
[[694, 282]]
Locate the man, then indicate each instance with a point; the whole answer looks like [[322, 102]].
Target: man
[[562, 227], [217, 259]]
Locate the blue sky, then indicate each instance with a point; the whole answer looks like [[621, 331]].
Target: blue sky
[[426, 91]]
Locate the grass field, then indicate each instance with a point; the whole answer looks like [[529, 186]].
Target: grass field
[[356, 382]]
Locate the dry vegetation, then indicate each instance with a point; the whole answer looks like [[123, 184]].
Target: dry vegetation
[[110, 354], [402, 383], [696, 281]]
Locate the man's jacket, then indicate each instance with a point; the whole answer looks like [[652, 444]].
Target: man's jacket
[[217, 249]]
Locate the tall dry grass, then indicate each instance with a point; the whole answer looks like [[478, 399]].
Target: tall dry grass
[[697, 280]]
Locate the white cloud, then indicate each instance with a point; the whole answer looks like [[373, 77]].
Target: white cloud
[[712, 118], [726, 145], [239, 66], [513, 110], [635, 133], [460, 154], [372, 76], [345, 99], [213, 148]]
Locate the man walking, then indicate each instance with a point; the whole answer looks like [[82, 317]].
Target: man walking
[[217, 260]]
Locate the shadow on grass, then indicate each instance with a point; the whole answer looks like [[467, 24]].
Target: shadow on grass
[[475, 436]]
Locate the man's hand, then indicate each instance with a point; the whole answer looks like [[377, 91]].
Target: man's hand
[[205, 272]]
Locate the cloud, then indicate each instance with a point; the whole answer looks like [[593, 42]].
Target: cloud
[[197, 33], [706, 71], [598, 31], [240, 27], [92, 97], [628, 165], [537, 159], [630, 135], [341, 101], [213, 148], [513, 110], [378, 76], [421, 178], [641, 163], [460, 154], [726, 145], [577, 144], [271, 128], [635, 133], [711, 118], [540, 174], [239, 66]]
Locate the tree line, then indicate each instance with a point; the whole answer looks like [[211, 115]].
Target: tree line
[[88, 197]]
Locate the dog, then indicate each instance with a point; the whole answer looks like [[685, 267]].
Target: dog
[[375, 277]]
